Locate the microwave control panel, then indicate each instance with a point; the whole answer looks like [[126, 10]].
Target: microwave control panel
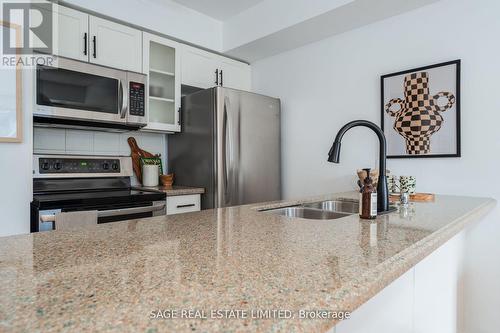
[[137, 104]]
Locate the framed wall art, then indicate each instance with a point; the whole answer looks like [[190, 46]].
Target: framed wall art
[[421, 111], [11, 91]]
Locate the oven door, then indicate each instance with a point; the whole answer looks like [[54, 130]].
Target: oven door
[[80, 91], [48, 219]]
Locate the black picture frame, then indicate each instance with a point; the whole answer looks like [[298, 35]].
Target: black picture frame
[[457, 63]]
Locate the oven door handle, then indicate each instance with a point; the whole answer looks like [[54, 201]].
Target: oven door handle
[[113, 212], [124, 100], [127, 211]]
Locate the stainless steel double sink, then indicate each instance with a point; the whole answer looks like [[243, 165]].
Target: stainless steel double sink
[[322, 210]]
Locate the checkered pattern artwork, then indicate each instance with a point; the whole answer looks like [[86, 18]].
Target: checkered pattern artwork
[[418, 116]]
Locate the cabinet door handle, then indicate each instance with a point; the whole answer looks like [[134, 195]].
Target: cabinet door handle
[[94, 42], [179, 116], [221, 78], [85, 44], [185, 206], [216, 77]]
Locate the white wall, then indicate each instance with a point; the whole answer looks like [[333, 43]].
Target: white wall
[[15, 170], [164, 16], [328, 83]]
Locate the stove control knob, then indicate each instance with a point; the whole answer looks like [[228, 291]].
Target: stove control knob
[[105, 166], [114, 166], [57, 166], [45, 166]]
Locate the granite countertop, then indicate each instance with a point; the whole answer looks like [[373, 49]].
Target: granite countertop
[[175, 190], [114, 277]]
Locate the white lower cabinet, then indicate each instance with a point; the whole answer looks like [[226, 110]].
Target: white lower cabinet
[[439, 290], [426, 299], [390, 311], [183, 204]]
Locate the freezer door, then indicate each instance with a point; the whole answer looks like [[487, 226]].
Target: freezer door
[[248, 148]]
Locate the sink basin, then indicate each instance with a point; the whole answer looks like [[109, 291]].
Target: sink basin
[[322, 210], [338, 206], [307, 213]]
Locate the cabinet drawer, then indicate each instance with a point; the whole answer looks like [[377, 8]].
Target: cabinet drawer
[[183, 204]]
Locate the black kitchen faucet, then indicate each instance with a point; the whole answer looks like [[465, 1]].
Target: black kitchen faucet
[[334, 157]]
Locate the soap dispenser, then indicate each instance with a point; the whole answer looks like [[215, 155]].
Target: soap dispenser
[[368, 198]]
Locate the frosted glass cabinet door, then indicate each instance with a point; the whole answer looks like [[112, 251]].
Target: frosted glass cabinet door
[[10, 93], [161, 63]]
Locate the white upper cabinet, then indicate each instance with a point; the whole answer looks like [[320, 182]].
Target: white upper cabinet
[[235, 74], [115, 45], [198, 68], [73, 35], [162, 64], [203, 69], [88, 38]]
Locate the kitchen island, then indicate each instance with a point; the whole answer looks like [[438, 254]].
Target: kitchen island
[[131, 276]]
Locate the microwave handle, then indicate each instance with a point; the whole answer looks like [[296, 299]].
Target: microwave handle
[[124, 100]]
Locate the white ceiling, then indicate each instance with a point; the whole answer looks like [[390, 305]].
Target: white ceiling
[[219, 9], [307, 21]]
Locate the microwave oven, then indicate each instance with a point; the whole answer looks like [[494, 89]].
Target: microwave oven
[[81, 95]]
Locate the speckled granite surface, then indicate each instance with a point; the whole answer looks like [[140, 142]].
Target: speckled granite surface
[[175, 190], [111, 277]]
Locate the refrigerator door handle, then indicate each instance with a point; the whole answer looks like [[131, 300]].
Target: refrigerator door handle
[[224, 153], [230, 153]]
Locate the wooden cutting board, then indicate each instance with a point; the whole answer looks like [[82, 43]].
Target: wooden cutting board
[[136, 153], [417, 197]]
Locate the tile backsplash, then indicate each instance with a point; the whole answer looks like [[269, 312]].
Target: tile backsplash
[[83, 142]]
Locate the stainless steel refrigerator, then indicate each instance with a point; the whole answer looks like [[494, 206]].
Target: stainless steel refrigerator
[[230, 145]]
